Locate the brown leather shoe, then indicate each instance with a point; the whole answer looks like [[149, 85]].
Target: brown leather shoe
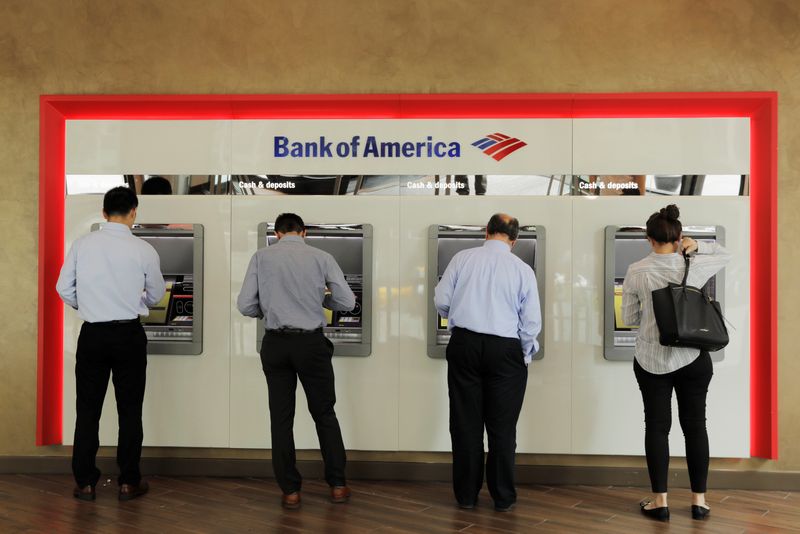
[[291, 501], [128, 492], [85, 493], [340, 494]]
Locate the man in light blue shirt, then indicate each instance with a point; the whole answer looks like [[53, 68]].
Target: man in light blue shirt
[[111, 277], [491, 301]]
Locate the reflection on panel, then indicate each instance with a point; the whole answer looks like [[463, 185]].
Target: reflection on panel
[[175, 324], [445, 241], [627, 245], [662, 184], [150, 184], [401, 185], [351, 247]]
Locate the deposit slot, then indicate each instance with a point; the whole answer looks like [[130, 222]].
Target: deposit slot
[[445, 241], [627, 245], [351, 247]]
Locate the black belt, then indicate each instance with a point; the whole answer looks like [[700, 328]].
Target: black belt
[[118, 321], [293, 331]]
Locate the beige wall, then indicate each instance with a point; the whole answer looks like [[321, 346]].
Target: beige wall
[[372, 46]]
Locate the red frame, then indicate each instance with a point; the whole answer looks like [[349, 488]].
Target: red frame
[[760, 107]]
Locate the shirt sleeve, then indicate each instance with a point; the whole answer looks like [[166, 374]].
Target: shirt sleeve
[[631, 305], [709, 259], [530, 318], [67, 281], [154, 286], [247, 302], [341, 297], [443, 293]]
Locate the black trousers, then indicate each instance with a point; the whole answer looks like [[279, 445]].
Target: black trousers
[[486, 379], [284, 358], [691, 387], [119, 350]]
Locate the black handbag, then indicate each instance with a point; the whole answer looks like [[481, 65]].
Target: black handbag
[[687, 317]]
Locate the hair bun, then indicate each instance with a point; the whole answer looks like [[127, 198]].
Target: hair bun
[[671, 212]]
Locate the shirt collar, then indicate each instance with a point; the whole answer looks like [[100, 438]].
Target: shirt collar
[[497, 244], [292, 239], [116, 227]]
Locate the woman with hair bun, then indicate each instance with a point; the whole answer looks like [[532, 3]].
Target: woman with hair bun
[[660, 369]]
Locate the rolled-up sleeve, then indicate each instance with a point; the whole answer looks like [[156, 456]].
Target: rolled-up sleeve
[[341, 297], [154, 286], [530, 318], [67, 280], [247, 302]]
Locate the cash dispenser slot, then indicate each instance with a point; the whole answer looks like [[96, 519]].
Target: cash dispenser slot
[[445, 241]]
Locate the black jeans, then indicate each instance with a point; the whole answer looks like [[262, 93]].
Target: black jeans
[[284, 358], [691, 387], [119, 350], [486, 378]]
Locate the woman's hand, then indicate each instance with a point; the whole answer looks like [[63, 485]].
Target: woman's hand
[[688, 245]]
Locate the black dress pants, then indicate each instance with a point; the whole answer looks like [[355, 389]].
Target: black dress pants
[[486, 379], [119, 350], [284, 358], [691, 387]]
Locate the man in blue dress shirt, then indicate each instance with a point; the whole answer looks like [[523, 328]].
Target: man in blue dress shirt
[[491, 301], [111, 277]]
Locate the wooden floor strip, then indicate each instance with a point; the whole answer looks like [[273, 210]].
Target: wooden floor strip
[[182, 505]]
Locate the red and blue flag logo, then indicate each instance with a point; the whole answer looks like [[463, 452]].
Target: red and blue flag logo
[[498, 145]]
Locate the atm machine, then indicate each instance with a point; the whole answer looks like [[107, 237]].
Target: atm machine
[[351, 246], [627, 245], [175, 324], [445, 241]]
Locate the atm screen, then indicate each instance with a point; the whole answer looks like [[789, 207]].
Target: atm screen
[[176, 308], [350, 319], [158, 313], [181, 308]]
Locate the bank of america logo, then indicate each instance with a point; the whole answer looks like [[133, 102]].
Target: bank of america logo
[[498, 145]]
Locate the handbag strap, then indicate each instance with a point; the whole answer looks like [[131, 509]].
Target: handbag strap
[[686, 272]]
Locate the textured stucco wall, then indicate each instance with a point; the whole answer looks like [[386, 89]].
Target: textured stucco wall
[[373, 46]]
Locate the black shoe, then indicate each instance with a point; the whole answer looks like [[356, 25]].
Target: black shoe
[[128, 492], [700, 512], [466, 505], [503, 508], [659, 514], [85, 493]]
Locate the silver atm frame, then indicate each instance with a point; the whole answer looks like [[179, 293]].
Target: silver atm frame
[[364, 348], [626, 354], [438, 351], [181, 348]]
